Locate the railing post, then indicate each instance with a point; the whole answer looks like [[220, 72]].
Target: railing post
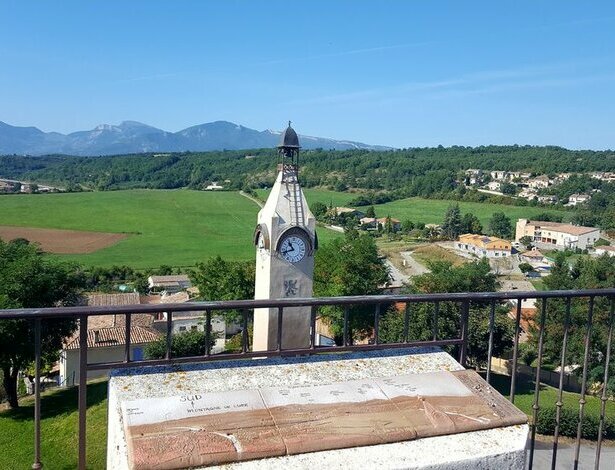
[[377, 324], [346, 314], [37, 395], [313, 311], [588, 333], [83, 378], [513, 377], [536, 405], [207, 332], [490, 350], [128, 319], [244, 332], [434, 326], [560, 403], [279, 332], [169, 335], [604, 398], [406, 321], [465, 315]]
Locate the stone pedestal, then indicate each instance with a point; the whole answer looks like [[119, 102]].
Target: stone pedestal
[[255, 386]]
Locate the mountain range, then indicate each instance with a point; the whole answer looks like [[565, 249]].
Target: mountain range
[[136, 137]]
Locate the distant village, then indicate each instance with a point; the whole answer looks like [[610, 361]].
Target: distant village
[[527, 186]]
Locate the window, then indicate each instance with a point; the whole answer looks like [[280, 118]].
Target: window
[[194, 327], [182, 328]]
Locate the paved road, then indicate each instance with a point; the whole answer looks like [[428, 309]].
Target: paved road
[[398, 279], [565, 456], [413, 267]]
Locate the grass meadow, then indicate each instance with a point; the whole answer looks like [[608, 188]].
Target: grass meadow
[[429, 211], [173, 227], [183, 227]]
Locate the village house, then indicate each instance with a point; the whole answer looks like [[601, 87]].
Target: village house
[[214, 186], [474, 176], [528, 193], [482, 245], [494, 185], [372, 223], [171, 283], [575, 199], [350, 211], [549, 199], [107, 337], [540, 182], [557, 235], [499, 175], [192, 320], [605, 250], [534, 257], [104, 345]]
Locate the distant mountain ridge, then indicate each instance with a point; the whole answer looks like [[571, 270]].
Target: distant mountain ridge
[[136, 137]]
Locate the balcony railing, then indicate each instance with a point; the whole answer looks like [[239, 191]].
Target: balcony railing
[[456, 344]]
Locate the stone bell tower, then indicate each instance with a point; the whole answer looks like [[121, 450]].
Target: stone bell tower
[[285, 239]]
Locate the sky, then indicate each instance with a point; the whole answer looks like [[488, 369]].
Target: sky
[[397, 73]]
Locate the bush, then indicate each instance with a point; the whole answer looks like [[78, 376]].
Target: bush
[[568, 424]]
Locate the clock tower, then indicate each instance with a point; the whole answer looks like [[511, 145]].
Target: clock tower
[[285, 239]]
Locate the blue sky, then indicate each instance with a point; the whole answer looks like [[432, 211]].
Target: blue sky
[[401, 73]]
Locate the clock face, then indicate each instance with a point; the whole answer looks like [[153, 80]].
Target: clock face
[[293, 249]]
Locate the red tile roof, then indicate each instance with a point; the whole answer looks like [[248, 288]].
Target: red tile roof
[[105, 337]]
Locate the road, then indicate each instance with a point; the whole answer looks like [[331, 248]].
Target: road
[[413, 267], [565, 456]]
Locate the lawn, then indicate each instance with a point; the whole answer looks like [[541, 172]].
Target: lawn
[[429, 211], [173, 227], [58, 430], [524, 396]]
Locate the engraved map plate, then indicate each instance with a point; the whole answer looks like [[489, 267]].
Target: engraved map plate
[[214, 428]]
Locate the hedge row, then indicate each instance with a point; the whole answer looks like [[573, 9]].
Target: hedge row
[[568, 424]]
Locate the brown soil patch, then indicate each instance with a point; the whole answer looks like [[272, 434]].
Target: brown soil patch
[[62, 241]]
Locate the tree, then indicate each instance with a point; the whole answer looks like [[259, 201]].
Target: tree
[[319, 210], [451, 227], [508, 189], [500, 225], [388, 225], [28, 279], [526, 267], [219, 279], [527, 241], [471, 224], [587, 273], [370, 212], [184, 344], [444, 277], [407, 226], [349, 266]]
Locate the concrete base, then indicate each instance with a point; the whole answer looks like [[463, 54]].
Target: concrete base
[[495, 448]]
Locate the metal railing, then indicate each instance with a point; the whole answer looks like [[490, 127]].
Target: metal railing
[[457, 343]]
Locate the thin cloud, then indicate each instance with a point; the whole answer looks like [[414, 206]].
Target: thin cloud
[[487, 81], [159, 76], [366, 50]]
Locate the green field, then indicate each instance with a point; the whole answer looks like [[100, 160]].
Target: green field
[[59, 425], [429, 211], [176, 227]]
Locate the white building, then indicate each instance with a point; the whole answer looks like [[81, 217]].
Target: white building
[[556, 234], [494, 185], [575, 199], [540, 182], [104, 345], [172, 283], [609, 250], [482, 245]]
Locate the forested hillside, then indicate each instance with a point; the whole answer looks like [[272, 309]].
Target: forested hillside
[[417, 171]]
